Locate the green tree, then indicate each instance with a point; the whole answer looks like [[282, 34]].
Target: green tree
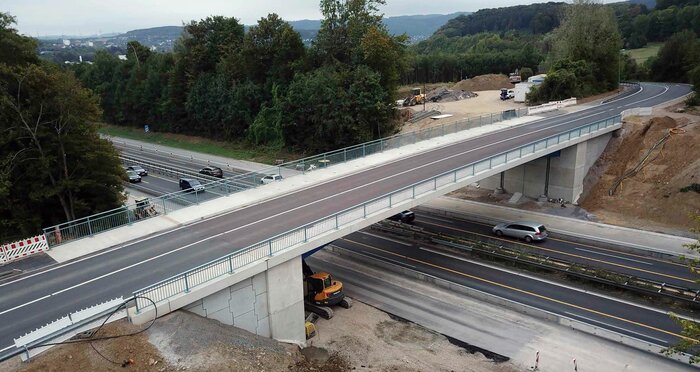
[[589, 33], [53, 165], [679, 55], [271, 52]]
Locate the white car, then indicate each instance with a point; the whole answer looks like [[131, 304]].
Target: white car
[[270, 178]]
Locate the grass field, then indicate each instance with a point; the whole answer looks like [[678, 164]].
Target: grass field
[[241, 151], [642, 54]]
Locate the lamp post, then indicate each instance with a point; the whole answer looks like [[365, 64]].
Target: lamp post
[[619, 67]]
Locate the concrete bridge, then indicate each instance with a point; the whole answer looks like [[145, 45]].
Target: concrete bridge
[[238, 259]]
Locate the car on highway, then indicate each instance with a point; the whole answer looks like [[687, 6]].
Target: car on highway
[[190, 184], [133, 176], [526, 230], [270, 178], [138, 169], [405, 217], [212, 171]]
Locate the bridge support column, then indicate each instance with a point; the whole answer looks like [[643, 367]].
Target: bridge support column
[[285, 298], [270, 303], [565, 177]]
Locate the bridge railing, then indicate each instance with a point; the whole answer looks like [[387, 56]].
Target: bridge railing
[[184, 282], [128, 214]]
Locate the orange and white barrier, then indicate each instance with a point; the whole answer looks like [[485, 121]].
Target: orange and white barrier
[[22, 248]]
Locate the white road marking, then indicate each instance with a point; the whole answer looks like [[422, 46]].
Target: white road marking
[[266, 218], [385, 238], [557, 284], [614, 256], [388, 259], [616, 327], [7, 348], [423, 216]]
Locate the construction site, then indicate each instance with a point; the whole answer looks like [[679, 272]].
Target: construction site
[[653, 162]]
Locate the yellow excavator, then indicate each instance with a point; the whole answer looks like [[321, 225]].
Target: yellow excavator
[[321, 292], [417, 97]]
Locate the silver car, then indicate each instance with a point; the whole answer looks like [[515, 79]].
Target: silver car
[[529, 231]]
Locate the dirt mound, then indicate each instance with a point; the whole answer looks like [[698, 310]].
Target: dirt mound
[[654, 193], [443, 94], [484, 82]]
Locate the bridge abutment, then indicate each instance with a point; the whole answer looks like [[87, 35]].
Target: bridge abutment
[[567, 170], [269, 304]]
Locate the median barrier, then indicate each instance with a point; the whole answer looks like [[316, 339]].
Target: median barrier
[[512, 305]]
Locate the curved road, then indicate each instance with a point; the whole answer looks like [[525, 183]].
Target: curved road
[[38, 298]]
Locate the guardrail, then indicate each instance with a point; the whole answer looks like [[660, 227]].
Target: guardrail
[[107, 220], [184, 282]]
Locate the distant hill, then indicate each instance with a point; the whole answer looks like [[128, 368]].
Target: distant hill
[[650, 4], [535, 18], [418, 27]]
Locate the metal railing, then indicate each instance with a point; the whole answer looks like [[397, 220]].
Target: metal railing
[[228, 264], [128, 214]]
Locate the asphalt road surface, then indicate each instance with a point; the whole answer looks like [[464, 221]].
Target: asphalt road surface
[[606, 312], [589, 253], [35, 299]]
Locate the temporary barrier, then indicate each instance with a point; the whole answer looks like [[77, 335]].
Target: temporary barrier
[[22, 248]]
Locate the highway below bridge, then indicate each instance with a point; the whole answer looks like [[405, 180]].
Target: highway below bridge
[[37, 298]]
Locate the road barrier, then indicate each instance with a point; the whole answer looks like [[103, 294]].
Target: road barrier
[[22, 248], [184, 282], [108, 220]]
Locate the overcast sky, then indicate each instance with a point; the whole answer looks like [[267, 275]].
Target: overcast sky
[[86, 17]]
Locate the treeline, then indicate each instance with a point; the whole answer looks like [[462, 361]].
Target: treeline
[[451, 59], [638, 25], [536, 18], [263, 85], [53, 165]]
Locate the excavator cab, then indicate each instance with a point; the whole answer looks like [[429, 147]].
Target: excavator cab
[[323, 290]]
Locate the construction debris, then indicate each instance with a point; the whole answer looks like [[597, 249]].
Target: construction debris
[[443, 94]]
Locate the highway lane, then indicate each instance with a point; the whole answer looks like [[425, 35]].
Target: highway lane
[[590, 254], [36, 299], [607, 312], [174, 160], [159, 184]]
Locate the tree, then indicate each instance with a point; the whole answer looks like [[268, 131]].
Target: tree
[[676, 58], [691, 330], [53, 165], [589, 33], [271, 52]]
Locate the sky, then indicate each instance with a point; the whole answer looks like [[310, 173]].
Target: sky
[[88, 17]]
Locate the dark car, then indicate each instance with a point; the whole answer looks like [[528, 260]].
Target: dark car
[[190, 184], [138, 169], [133, 176], [405, 217], [212, 171]]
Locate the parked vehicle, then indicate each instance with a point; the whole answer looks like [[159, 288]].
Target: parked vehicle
[[190, 184], [405, 217], [138, 169], [133, 176], [270, 178], [528, 231], [507, 94], [212, 171]]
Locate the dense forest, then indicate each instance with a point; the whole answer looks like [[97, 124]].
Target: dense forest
[[224, 83], [265, 87], [53, 165]]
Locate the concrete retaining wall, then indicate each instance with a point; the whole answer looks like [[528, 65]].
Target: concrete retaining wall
[[522, 308]]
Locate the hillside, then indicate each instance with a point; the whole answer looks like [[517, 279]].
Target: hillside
[[536, 18]]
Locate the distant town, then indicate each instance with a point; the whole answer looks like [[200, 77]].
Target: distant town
[[72, 49]]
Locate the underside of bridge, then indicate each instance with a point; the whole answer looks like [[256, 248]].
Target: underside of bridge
[[557, 175]]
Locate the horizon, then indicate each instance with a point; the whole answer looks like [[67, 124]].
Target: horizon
[[77, 18]]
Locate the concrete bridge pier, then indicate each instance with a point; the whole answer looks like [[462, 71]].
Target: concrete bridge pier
[[269, 304], [567, 170]]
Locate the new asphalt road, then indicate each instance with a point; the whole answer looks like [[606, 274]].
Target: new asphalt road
[[38, 298]]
